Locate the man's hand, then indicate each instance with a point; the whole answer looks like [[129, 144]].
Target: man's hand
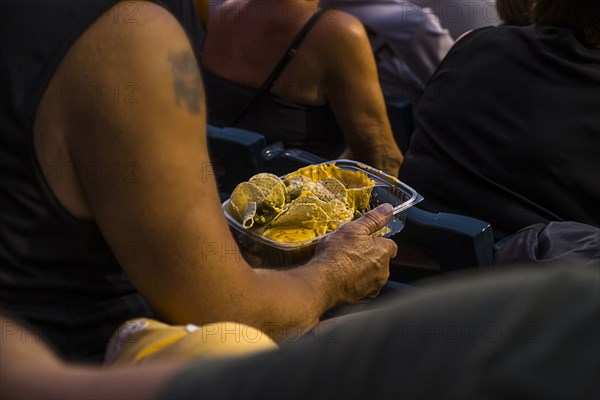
[[354, 263]]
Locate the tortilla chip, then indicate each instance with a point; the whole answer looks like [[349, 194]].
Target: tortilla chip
[[335, 187], [335, 209], [273, 188], [310, 202], [276, 199], [316, 189], [301, 215], [316, 172], [244, 201], [294, 185]]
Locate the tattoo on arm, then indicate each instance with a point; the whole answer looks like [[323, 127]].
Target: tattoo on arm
[[186, 80]]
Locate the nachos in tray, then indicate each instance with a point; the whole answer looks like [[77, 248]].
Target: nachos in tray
[[302, 205]]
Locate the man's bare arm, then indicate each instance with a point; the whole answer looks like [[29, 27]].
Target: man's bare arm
[[155, 193]]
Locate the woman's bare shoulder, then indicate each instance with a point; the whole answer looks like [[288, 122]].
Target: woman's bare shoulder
[[344, 26], [341, 36]]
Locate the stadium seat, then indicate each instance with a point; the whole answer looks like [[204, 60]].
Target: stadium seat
[[433, 243], [237, 154]]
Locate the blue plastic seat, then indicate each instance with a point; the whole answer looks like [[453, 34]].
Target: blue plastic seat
[[237, 154], [433, 243]]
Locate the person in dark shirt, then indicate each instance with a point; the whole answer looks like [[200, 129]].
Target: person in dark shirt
[[508, 129], [108, 207], [514, 12]]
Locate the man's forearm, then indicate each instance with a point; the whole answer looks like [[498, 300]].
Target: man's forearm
[[291, 302]]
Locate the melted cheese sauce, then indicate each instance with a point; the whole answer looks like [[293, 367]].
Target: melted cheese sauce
[[290, 234]]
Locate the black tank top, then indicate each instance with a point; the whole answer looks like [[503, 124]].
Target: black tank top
[[307, 127], [56, 271]]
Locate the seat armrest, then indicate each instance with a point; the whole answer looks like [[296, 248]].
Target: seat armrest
[[235, 136], [460, 224], [432, 243]]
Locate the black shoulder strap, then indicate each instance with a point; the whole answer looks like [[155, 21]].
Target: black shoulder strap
[[291, 51], [289, 54]]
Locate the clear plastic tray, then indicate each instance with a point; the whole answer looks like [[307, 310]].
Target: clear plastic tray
[[260, 251]]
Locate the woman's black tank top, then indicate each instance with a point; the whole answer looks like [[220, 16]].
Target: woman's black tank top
[[308, 127]]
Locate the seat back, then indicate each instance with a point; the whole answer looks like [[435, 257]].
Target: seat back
[[235, 155]]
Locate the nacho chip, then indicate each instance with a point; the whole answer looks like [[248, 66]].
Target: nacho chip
[[310, 202], [309, 217], [316, 189], [335, 187], [298, 223], [350, 179], [299, 214], [273, 188], [335, 209], [266, 179], [316, 172], [357, 184], [294, 185], [276, 199], [244, 201], [248, 215]]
